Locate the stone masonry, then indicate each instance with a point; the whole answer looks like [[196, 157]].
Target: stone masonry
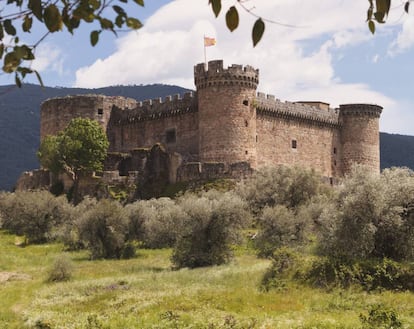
[[226, 128]]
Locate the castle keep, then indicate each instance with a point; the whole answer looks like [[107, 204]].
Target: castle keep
[[225, 128]]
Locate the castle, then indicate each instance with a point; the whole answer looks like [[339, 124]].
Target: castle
[[226, 128]]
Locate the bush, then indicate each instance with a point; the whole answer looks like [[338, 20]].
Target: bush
[[36, 214], [61, 270], [212, 225], [156, 222], [380, 317], [104, 230], [278, 226], [280, 185]]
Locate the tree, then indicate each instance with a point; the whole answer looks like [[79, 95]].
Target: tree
[[80, 148]]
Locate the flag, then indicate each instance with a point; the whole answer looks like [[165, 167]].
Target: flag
[[209, 42]]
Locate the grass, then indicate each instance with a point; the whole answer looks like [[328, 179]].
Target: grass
[[145, 293]]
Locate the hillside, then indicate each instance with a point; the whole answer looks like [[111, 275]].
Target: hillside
[[19, 126], [19, 120]]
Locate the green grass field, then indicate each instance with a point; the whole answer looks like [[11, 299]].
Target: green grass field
[[145, 292]]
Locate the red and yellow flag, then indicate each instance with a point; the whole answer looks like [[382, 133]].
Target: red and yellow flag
[[209, 42]]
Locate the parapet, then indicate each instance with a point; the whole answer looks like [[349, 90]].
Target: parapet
[[310, 112], [367, 110], [216, 75], [154, 109]]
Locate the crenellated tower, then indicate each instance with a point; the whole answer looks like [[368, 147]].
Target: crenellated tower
[[360, 135], [227, 112]]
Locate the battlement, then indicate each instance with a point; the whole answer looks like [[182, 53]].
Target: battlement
[[217, 75], [366, 110], [154, 109], [310, 112]]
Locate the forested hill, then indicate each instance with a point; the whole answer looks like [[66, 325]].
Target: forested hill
[[19, 126], [19, 120]]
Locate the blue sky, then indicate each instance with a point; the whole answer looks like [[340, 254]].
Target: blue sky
[[330, 55]]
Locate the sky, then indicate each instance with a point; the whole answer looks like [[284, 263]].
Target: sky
[[326, 53]]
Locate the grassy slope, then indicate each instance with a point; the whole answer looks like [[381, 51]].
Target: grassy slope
[[145, 293]]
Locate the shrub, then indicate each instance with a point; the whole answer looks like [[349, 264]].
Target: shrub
[[280, 185], [35, 214], [212, 225], [61, 270], [380, 317], [278, 226], [104, 230], [156, 222]]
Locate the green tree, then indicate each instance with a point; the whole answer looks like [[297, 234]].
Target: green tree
[[80, 148]]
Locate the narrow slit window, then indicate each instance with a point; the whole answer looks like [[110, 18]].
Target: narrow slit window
[[246, 123], [246, 102], [334, 150], [294, 144], [100, 111]]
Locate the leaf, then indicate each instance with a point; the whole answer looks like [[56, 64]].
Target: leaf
[[119, 10], [119, 20], [36, 7], [369, 14], [94, 4], [53, 19], [383, 6], [1, 32], [39, 78], [140, 2], [8, 27], [94, 38], [1, 50], [371, 26], [216, 6], [232, 18], [379, 17], [106, 24], [133, 23], [27, 23], [407, 6], [257, 31], [18, 81], [11, 62]]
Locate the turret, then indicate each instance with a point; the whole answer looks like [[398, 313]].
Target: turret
[[227, 112], [360, 136]]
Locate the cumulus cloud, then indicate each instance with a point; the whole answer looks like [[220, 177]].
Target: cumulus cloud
[[48, 57], [295, 63], [405, 38]]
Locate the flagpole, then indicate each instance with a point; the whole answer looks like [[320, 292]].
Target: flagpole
[[205, 56]]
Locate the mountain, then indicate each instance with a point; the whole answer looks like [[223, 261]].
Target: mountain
[[20, 120], [20, 113]]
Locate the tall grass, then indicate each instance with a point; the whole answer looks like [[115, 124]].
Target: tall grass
[[145, 293]]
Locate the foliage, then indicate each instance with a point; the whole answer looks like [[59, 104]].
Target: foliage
[[278, 226], [372, 216], [212, 225], [61, 270], [104, 230], [380, 317], [54, 16], [370, 274], [34, 215], [280, 185], [48, 154]]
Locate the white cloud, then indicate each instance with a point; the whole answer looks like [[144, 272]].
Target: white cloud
[[48, 57], [405, 38], [171, 42]]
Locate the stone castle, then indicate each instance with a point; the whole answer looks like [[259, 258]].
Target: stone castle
[[224, 129]]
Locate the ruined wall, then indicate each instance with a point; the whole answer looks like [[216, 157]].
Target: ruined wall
[[227, 115], [56, 113], [298, 134], [173, 123]]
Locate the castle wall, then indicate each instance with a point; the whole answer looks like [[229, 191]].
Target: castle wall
[[56, 113], [173, 123], [316, 147]]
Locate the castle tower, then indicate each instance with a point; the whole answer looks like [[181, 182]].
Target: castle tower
[[227, 112], [56, 113], [360, 135]]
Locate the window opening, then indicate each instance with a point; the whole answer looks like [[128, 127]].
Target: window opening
[[334, 150], [246, 102], [294, 144], [170, 136], [100, 111]]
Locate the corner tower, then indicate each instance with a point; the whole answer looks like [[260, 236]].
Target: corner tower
[[360, 136], [227, 112]]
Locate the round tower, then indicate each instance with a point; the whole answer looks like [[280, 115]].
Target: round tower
[[56, 113], [227, 112], [360, 136]]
